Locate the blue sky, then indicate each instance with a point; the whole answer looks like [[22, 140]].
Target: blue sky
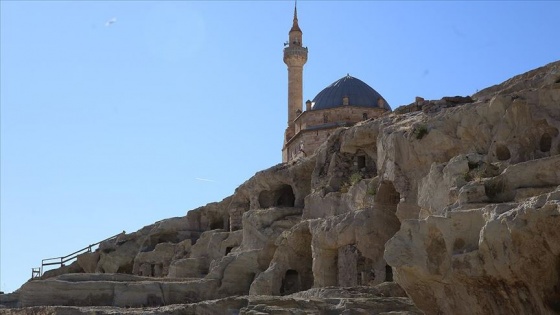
[[108, 127]]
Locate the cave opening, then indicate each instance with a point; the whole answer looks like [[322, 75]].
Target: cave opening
[[545, 143], [361, 161], [388, 273], [290, 283], [286, 198], [502, 152], [283, 196], [217, 225]]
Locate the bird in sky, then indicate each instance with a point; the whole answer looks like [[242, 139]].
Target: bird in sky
[[111, 21]]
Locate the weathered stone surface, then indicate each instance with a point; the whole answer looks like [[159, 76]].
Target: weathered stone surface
[[119, 259], [440, 187], [113, 290], [9, 300], [366, 231], [72, 268], [450, 264], [385, 289], [292, 259], [261, 227], [335, 300], [188, 268], [541, 78], [88, 261], [156, 263], [505, 129], [226, 306], [282, 185], [237, 271], [359, 300], [214, 245]]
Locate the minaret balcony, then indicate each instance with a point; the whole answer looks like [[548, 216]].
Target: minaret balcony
[[295, 51]]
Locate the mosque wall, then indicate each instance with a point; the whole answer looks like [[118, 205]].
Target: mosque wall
[[352, 114], [306, 141]]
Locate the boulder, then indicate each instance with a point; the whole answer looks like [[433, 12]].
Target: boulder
[[88, 261]]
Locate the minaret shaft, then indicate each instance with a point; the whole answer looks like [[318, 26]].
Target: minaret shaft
[[295, 56], [295, 92]]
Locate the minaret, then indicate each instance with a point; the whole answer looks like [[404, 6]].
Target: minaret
[[295, 56]]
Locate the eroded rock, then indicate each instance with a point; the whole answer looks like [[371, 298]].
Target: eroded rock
[[456, 199]]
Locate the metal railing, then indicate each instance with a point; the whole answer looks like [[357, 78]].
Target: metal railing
[[35, 273], [61, 261]]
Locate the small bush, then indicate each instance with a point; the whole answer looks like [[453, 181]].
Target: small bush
[[355, 178], [420, 131]]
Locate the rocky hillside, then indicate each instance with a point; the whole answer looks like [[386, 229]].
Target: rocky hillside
[[442, 207]]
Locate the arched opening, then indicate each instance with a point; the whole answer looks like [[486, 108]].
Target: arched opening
[[299, 261], [545, 143], [286, 198], [502, 152], [387, 194], [283, 196], [290, 283], [388, 273], [218, 224]]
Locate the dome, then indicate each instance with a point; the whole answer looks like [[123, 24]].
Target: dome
[[358, 94]]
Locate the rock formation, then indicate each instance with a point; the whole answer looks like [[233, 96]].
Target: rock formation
[[486, 240], [443, 207]]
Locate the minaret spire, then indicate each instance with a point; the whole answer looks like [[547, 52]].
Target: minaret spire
[[295, 26]]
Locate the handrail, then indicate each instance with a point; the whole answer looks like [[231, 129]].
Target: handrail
[[38, 272]]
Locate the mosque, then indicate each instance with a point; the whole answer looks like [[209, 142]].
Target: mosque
[[341, 104]]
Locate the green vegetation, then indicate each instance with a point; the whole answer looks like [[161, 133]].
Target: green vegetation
[[355, 178], [420, 131]]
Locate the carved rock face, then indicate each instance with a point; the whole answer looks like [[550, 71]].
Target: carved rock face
[[459, 204], [494, 245]]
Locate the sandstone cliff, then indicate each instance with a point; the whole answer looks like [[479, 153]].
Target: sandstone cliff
[[443, 207]]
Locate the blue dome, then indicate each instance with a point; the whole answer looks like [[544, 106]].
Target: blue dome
[[358, 94]]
